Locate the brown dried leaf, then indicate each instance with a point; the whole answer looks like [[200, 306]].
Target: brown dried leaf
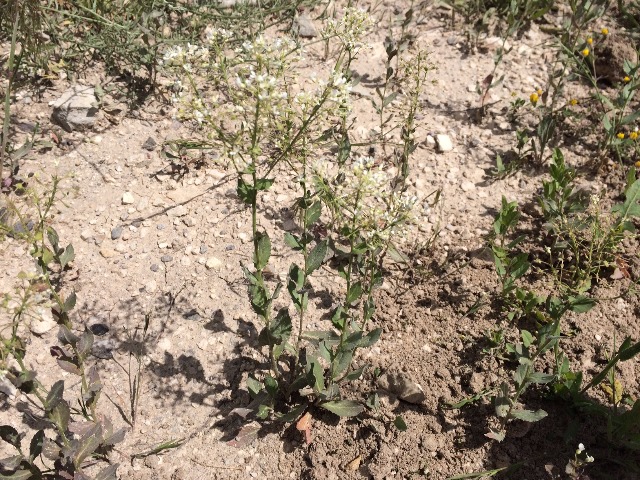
[[304, 425]]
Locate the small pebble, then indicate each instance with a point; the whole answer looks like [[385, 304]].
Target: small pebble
[[166, 258], [116, 233], [155, 267]]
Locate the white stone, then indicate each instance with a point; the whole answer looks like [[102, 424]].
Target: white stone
[[42, 322], [151, 286], [444, 143], [467, 186], [213, 263], [179, 211], [128, 198], [76, 109]]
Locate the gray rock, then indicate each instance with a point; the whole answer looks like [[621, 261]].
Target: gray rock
[[116, 233], [155, 267], [304, 27], [76, 109], [150, 144], [98, 329], [203, 249], [402, 386], [166, 258]]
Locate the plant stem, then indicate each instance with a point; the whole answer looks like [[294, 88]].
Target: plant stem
[[7, 94]]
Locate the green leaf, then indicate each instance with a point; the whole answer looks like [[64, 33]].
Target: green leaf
[[342, 361], [263, 252], [373, 401], [316, 374], [354, 293], [354, 375], [10, 435], [70, 303], [370, 338], [316, 257], [11, 463], [67, 256], [35, 447], [246, 192], [85, 343], [280, 328], [316, 336], [107, 473], [292, 414], [87, 444], [529, 415], [264, 184], [19, 475], [343, 408], [54, 397], [292, 241], [539, 377], [400, 423], [389, 98], [52, 235], [60, 414], [254, 387], [271, 385], [630, 207], [527, 338], [628, 353], [312, 214], [581, 304]]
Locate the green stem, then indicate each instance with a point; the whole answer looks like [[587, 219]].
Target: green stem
[[7, 94]]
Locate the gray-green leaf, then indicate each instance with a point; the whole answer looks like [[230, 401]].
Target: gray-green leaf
[[343, 408]]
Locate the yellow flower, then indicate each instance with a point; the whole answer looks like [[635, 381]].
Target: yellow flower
[[633, 135], [590, 41], [604, 31], [626, 79], [638, 164], [534, 98], [585, 52], [620, 136], [539, 91], [573, 102]]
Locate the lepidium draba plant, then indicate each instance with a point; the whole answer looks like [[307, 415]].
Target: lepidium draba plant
[[268, 122]]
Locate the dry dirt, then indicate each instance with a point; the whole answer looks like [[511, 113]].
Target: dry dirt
[[202, 331]]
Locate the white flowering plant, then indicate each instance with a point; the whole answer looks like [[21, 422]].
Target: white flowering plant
[[271, 124]]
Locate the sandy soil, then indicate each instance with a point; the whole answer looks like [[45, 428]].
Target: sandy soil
[[199, 350]]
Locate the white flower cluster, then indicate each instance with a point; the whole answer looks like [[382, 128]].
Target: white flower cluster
[[216, 36], [186, 58], [580, 450], [366, 201], [350, 29]]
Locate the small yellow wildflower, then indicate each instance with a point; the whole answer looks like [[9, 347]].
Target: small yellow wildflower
[[626, 79], [534, 98], [590, 41], [585, 52], [638, 164], [620, 136], [573, 102], [539, 91], [604, 31], [633, 135]]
